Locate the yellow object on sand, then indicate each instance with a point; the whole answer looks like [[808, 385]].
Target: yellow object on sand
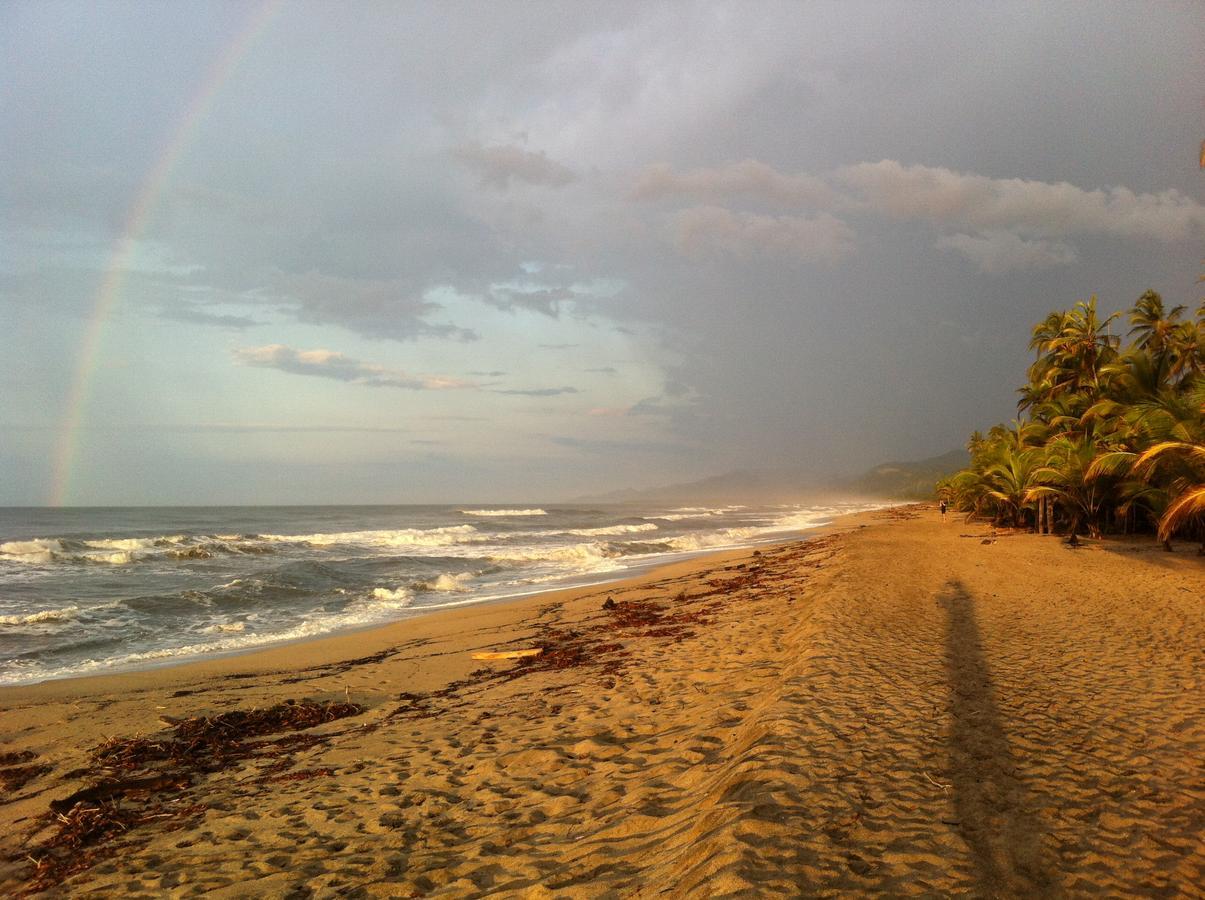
[[508, 654]]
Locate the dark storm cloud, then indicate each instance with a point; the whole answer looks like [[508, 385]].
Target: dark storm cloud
[[833, 224]]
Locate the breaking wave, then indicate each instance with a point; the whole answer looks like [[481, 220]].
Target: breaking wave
[[45, 615], [504, 512]]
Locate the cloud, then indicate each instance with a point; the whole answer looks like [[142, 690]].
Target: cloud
[[609, 446], [374, 308], [703, 231], [1002, 251], [330, 364], [750, 179], [197, 316], [1038, 208], [499, 164], [539, 392], [604, 370], [544, 300]]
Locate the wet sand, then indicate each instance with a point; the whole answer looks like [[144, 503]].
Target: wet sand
[[902, 706]]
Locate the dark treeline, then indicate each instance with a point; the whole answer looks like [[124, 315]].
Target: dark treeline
[[1109, 438]]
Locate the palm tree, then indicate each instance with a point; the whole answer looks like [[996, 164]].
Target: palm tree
[[1186, 460], [1009, 481], [1152, 324], [1064, 478]]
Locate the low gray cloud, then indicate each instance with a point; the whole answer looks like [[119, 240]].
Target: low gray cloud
[[197, 316], [538, 392], [747, 179], [330, 364], [962, 199], [609, 445], [995, 252], [375, 308], [942, 196], [499, 164], [702, 231], [547, 301]]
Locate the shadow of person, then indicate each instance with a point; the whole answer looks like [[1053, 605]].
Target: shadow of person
[[1004, 837]]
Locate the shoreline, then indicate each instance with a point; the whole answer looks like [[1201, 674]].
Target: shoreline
[[901, 705], [633, 574]]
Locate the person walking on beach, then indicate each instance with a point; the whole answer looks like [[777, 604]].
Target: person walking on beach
[[942, 506]]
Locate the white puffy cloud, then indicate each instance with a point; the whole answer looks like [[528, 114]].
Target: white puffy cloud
[[498, 164], [1002, 251], [1041, 208], [331, 364], [706, 230]]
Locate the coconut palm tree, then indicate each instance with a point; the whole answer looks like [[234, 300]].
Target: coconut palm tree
[[1183, 465]]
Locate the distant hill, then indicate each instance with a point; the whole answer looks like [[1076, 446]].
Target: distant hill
[[745, 486], [896, 481], [909, 480]]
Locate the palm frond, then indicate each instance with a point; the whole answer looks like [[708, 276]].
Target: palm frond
[[1186, 508]]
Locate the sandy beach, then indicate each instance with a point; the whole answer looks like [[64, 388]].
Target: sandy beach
[[902, 705]]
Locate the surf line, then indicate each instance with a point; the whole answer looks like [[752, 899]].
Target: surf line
[[67, 443]]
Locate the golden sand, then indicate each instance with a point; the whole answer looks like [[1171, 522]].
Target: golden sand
[[903, 706]]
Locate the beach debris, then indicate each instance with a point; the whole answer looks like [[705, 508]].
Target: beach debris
[[143, 780], [16, 777], [930, 779], [108, 789], [89, 834], [509, 654], [610, 604]]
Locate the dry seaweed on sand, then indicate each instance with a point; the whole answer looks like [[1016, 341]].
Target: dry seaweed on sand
[[134, 776]]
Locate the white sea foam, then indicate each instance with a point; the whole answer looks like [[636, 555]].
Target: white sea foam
[[613, 529], [110, 557], [713, 540], [45, 615], [226, 628], [398, 596], [36, 547], [134, 543], [447, 583], [504, 512], [400, 537], [585, 557]]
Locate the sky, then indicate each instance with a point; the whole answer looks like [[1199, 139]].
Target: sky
[[295, 252]]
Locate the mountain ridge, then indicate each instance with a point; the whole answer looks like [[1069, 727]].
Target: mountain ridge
[[910, 480]]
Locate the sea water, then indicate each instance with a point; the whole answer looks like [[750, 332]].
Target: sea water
[[86, 591]]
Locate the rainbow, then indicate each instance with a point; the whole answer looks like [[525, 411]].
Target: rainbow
[[67, 444]]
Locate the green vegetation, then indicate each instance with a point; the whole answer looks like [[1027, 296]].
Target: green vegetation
[[914, 480], [1110, 438]]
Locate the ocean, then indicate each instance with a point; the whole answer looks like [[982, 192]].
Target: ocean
[[93, 590]]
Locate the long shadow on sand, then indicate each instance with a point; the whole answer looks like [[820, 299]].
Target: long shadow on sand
[[990, 800]]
